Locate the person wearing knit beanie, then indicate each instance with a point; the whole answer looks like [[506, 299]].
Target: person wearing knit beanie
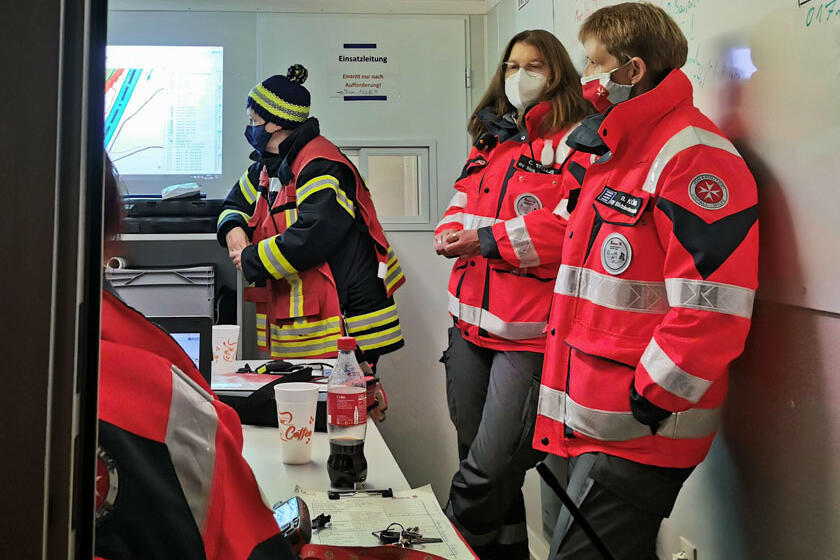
[[280, 103], [301, 226]]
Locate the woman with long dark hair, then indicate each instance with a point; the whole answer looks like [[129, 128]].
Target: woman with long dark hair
[[505, 225]]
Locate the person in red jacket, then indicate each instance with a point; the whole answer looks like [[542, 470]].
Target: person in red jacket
[[506, 225], [655, 291], [171, 481]]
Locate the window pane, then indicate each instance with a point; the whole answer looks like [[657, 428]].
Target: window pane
[[394, 183]]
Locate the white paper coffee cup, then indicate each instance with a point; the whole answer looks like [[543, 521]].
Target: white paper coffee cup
[[225, 345], [296, 407]]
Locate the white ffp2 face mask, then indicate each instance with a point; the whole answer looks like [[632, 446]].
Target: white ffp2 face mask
[[524, 88]]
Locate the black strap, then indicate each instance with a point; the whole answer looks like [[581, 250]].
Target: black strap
[[554, 484]]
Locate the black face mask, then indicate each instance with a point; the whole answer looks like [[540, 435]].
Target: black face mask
[[257, 136]]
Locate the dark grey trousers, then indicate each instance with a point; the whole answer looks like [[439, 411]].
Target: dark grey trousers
[[623, 501], [492, 399]]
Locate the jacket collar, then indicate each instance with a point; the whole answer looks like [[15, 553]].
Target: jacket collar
[[280, 164], [534, 117], [640, 113]]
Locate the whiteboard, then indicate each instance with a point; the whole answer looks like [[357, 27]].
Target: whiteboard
[[768, 73]]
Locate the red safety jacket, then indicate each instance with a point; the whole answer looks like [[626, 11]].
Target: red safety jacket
[[299, 309], [502, 303], [656, 286], [170, 481]]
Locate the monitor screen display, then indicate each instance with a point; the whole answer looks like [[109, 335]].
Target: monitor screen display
[[163, 109], [191, 343]]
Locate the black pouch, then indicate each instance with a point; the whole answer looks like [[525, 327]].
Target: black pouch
[[259, 408]]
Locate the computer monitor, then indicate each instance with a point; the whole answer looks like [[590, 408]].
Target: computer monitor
[[195, 336]]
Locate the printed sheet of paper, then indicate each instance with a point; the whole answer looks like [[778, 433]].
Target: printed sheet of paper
[[355, 517]]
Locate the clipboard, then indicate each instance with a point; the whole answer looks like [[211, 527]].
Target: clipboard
[[356, 514], [338, 494]]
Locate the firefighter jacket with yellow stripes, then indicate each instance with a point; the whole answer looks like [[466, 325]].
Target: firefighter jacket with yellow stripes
[[318, 252], [655, 291], [515, 189], [171, 481]]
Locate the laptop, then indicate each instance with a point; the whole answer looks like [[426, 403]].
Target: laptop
[[195, 336]]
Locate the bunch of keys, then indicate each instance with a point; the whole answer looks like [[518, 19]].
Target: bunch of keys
[[404, 537]]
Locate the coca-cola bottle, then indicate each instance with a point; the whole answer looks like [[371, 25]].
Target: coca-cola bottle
[[347, 418]]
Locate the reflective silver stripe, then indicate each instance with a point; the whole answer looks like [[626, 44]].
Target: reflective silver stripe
[[686, 138], [483, 319], [668, 375], [471, 221], [378, 340], [261, 321], [368, 320], [318, 346], [191, 441], [611, 292], [710, 296], [605, 425], [324, 328], [521, 242], [459, 200], [316, 185], [457, 218], [562, 209]]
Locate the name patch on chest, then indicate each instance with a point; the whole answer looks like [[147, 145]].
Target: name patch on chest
[[627, 204], [533, 166]]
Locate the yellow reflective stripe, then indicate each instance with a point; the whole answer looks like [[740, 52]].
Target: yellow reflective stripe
[[373, 319], [273, 260], [295, 296], [291, 216], [261, 339], [380, 339], [394, 279], [300, 324], [326, 182], [261, 320], [333, 338], [230, 212], [247, 188], [345, 202], [316, 185], [277, 106], [281, 352], [309, 334]]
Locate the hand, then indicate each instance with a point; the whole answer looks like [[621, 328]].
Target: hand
[[441, 243], [236, 257], [236, 240], [463, 244], [646, 412]]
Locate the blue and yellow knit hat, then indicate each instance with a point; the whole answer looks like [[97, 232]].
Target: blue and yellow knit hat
[[282, 100]]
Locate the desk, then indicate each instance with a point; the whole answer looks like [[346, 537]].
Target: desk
[[278, 480]]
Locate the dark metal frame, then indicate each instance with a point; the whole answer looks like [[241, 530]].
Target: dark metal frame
[[51, 107]]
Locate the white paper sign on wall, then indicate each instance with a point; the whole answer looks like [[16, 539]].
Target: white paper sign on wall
[[364, 72]]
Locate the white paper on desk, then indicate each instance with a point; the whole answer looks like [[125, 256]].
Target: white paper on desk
[[355, 517]]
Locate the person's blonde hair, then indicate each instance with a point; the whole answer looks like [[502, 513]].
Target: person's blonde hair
[[562, 87], [639, 29]]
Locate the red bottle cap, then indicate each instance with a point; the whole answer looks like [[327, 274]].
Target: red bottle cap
[[347, 343]]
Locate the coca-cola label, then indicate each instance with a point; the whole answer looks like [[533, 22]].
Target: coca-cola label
[[347, 409]]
